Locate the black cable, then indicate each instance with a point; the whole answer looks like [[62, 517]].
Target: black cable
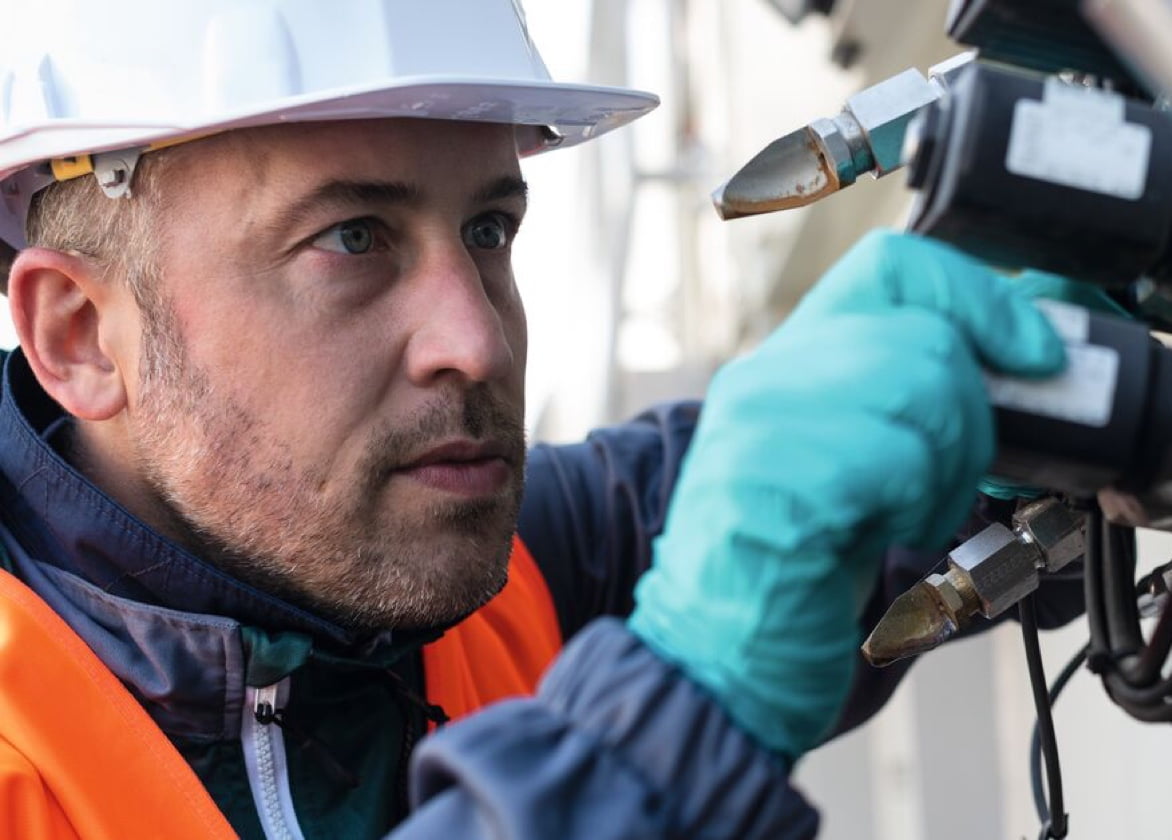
[[1146, 709], [1098, 653], [1056, 688], [1141, 691], [1152, 657], [1129, 668], [1119, 599], [1053, 816]]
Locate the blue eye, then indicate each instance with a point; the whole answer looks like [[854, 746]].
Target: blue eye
[[489, 232], [353, 237]]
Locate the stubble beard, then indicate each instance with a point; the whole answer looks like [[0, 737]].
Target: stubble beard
[[234, 495]]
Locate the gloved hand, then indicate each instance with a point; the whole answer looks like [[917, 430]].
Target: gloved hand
[[860, 423], [1039, 284]]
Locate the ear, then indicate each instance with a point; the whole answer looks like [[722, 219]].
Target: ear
[[63, 311]]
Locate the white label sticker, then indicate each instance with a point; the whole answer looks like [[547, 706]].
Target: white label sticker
[[1084, 392], [1072, 323], [1077, 137]]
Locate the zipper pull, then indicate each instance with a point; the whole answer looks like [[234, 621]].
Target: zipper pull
[[264, 707]]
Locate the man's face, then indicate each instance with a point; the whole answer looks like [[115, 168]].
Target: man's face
[[329, 400]]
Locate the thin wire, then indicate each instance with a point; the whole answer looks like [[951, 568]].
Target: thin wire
[[1064, 676], [1053, 816]]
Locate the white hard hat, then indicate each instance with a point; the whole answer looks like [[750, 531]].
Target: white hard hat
[[79, 77]]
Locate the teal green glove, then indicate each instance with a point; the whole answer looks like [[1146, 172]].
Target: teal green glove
[[1039, 284], [861, 423]]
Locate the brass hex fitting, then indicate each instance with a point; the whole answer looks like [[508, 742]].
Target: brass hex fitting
[[1054, 528]]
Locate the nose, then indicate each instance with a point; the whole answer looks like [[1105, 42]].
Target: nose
[[463, 326]]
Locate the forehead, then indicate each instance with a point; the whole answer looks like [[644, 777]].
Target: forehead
[[268, 165]]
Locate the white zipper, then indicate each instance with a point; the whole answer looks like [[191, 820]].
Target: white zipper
[[264, 758]]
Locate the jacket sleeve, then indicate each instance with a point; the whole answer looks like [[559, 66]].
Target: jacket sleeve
[[591, 510], [616, 744]]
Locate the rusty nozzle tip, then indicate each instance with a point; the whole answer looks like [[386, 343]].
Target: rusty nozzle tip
[[919, 620], [789, 172]]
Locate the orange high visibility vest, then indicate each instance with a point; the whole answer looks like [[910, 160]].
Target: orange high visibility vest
[[80, 759], [499, 651]]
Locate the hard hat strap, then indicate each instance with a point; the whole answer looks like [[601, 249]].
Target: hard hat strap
[[113, 170]]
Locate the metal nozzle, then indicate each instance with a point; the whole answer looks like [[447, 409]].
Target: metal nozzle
[[987, 574], [928, 614], [789, 172], [829, 154]]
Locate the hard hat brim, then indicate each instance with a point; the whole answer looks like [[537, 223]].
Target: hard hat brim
[[575, 112]]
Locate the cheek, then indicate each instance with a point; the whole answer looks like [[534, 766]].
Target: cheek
[[307, 387], [253, 333], [227, 325]]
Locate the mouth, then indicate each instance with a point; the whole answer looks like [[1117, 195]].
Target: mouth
[[463, 468]]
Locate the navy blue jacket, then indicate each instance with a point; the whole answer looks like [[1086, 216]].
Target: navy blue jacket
[[616, 743]]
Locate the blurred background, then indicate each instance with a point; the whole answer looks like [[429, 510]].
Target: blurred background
[[636, 292]]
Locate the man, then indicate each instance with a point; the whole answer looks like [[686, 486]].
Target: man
[[262, 457]]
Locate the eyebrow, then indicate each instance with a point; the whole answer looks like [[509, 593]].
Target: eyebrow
[[507, 186], [340, 193]]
